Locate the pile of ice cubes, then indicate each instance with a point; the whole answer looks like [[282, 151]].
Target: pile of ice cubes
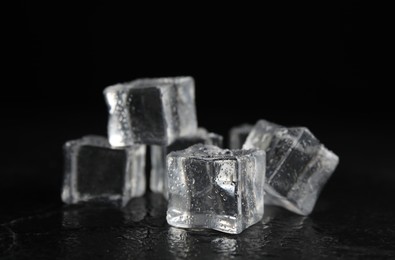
[[206, 186]]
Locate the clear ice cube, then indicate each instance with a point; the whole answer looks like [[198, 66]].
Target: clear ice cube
[[238, 135], [298, 166], [158, 177], [216, 189], [94, 171], [151, 111], [260, 135]]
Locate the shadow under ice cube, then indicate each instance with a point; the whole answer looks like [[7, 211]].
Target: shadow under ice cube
[[151, 111], [96, 172], [298, 166], [158, 178], [216, 189]]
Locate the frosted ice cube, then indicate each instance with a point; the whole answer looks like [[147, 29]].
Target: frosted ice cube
[[298, 166], [260, 135], [216, 189], [94, 171], [151, 111], [238, 135], [158, 178]]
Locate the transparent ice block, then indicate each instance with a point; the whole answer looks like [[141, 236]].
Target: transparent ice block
[[238, 135], [298, 166], [94, 171], [216, 189], [260, 135], [151, 111], [158, 178]]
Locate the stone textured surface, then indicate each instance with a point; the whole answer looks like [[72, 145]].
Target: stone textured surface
[[339, 229]]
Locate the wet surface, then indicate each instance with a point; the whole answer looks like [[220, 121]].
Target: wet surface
[[354, 216], [140, 231], [325, 69]]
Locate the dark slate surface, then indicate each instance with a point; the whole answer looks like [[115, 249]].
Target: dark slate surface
[[354, 216], [342, 226], [324, 67]]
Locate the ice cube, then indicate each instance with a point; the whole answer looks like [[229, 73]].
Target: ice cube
[[158, 178], [260, 135], [238, 135], [216, 189], [94, 171], [151, 111], [298, 166]]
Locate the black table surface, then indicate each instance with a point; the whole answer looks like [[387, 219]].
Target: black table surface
[[323, 67], [354, 216], [341, 229]]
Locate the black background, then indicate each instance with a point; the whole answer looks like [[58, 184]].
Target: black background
[[323, 67]]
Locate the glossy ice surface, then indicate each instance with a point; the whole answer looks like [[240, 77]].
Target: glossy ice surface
[[260, 135], [151, 111], [298, 166], [96, 172], [238, 135], [216, 189], [158, 178]]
